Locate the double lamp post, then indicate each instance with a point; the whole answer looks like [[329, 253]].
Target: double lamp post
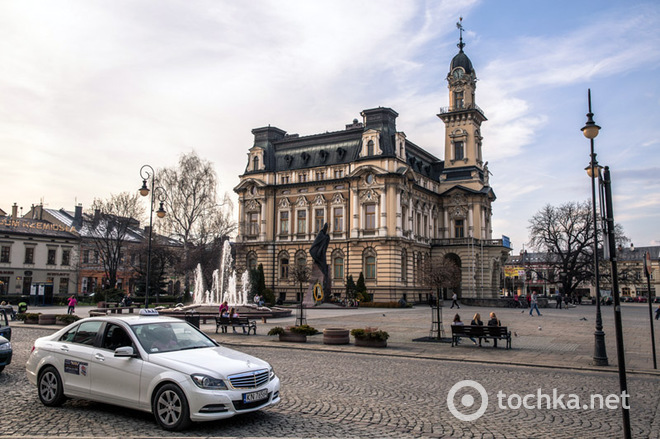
[[590, 131], [147, 173]]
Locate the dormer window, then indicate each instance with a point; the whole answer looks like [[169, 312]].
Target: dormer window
[[370, 148], [255, 163]]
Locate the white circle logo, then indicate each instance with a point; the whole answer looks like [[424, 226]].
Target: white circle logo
[[467, 400]]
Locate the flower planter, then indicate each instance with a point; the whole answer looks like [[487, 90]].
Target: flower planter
[[47, 319], [335, 336], [369, 343], [293, 337], [31, 319]]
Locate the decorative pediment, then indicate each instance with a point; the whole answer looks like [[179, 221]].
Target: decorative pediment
[[284, 203], [458, 212], [338, 199], [319, 200], [251, 205], [302, 202], [369, 196]]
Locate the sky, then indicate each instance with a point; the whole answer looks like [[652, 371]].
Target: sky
[[92, 90]]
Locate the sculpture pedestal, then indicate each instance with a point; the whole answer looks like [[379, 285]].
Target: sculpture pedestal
[[315, 277]]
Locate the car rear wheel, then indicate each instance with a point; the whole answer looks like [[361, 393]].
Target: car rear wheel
[[170, 407], [2, 368], [50, 389]]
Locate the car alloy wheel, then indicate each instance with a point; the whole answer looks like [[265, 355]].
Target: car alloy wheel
[[170, 408], [50, 387]]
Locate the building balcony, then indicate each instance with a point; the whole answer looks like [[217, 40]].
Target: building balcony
[[462, 109], [467, 242]]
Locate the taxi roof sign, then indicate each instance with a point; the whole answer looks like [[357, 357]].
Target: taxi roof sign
[[148, 312]]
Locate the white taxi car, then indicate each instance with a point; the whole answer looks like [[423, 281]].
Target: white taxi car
[[157, 364]]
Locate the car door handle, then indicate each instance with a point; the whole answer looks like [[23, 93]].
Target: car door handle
[[64, 348], [99, 357]]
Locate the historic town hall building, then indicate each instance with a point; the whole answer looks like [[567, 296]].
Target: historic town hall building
[[393, 208]]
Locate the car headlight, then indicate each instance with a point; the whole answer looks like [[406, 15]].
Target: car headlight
[[271, 374], [207, 382], [5, 347]]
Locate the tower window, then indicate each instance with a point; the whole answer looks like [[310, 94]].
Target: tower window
[[459, 153], [459, 99]]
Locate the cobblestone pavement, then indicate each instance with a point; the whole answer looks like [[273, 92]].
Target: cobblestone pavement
[[351, 394]]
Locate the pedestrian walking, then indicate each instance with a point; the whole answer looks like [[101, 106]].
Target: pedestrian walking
[[657, 313], [454, 301], [534, 305], [559, 300], [72, 305]]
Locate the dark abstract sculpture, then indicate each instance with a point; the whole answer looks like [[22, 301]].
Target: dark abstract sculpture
[[318, 252]]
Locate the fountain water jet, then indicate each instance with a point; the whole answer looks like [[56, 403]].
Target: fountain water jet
[[224, 283]]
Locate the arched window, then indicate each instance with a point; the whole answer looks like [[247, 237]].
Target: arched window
[[284, 265], [370, 148], [255, 163], [404, 266], [369, 264], [338, 268], [251, 261]]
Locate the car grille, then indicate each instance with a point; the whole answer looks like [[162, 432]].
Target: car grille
[[249, 380]]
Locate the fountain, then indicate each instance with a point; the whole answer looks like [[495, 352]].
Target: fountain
[[224, 284], [224, 288]]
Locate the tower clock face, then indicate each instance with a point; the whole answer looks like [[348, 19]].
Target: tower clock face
[[457, 73]]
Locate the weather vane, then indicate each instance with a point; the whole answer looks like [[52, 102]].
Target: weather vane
[[459, 25]]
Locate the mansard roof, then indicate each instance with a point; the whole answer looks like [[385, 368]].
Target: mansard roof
[[290, 152]]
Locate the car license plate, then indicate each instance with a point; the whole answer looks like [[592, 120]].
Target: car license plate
[[255, 396]]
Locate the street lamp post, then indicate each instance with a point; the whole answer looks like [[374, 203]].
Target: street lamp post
[[590, 131], [620, 352], [147, 173]]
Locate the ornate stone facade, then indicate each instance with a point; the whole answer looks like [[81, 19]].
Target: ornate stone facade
[[391, 205]]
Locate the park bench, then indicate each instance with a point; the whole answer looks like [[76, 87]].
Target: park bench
[[242, 322], [492, 332]]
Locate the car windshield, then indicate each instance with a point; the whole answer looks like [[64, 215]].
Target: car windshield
[[159, 337]]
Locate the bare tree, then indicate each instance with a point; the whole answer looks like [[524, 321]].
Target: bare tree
[[195, 216], [440, 276], [300, 273], [565, 234], [110, 229]]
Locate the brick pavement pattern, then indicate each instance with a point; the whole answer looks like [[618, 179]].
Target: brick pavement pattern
[[400, 391]]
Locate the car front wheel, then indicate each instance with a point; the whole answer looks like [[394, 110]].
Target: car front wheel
[[50, 388], [170, 408]]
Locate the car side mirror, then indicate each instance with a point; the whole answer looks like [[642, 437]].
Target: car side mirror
[[125, 351]]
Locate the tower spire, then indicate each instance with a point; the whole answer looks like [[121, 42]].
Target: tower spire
[[459, 25]]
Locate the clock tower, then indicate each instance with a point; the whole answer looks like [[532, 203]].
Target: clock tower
[[464, 162]]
